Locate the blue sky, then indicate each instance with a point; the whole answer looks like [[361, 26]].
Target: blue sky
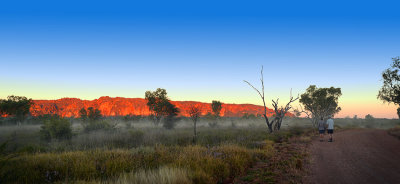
[[198, 50]]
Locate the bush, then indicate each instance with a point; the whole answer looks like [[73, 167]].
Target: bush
[[98, 125], [56, 128]]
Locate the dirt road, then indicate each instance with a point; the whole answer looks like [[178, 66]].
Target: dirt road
[[356, 156]]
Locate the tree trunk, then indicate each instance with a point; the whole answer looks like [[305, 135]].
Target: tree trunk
[[270, 128], [195, 133], [279, 123]]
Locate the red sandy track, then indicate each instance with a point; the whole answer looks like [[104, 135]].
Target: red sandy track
[[356, 156]]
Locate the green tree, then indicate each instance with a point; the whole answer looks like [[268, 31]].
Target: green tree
[[56, 128], [93, 114], [16, 106], [216, 107], [320, 102], [90, 120], [83, 114], [161, 107], [170, 115], [390, 91]]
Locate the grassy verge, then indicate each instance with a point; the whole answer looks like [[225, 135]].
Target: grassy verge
[[288, 163], [221, 155], [204, 165]]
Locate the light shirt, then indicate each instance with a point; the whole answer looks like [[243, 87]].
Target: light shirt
[[330, 124]]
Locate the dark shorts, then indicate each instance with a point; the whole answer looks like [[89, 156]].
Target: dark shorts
[[330, 131], [321, 131]]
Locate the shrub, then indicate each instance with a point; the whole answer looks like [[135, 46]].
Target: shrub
[[98, 125], [56, 128]]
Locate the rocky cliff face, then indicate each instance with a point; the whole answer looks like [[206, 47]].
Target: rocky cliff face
[[68, 107]]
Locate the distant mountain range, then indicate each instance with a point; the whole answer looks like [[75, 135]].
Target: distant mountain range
[[118, 106]]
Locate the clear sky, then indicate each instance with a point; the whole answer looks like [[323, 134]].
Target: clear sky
[[199, 50]]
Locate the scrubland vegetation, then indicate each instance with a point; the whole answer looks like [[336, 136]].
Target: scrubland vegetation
[[165, 147], [54, 149]]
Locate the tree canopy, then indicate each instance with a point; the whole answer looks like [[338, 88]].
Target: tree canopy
[[320, 102], [390, 91], [216, 107], [17, 106], [160, 106], [91, 114]]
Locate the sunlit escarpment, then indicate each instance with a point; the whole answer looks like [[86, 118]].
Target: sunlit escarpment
[[118, 106]]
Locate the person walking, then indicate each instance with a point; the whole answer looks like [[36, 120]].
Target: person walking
[[321, 128], [330, 128]]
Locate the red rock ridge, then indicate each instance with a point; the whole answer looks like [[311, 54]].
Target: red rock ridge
[[118, 106]]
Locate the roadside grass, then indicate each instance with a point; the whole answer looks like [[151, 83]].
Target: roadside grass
[[162, 175], [206, 165], [288, 163]]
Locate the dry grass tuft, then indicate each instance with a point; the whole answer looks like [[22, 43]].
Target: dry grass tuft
[[162, 175]]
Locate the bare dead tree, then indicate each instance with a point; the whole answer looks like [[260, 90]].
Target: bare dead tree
[[280, 112], [194, 113]]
